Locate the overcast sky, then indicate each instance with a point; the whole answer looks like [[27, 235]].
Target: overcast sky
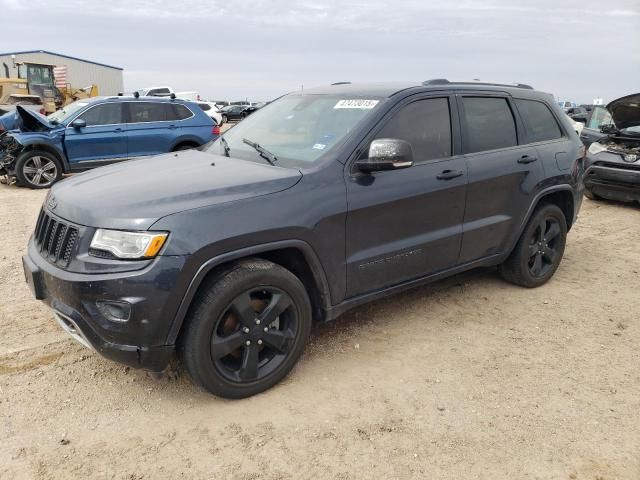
[[237, 49]]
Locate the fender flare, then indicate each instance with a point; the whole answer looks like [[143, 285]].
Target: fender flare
[[309, 254], [535, 203]]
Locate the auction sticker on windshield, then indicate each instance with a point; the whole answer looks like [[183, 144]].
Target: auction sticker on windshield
[[367, 104]]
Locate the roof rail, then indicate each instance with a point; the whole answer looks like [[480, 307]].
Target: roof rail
[[444, 81], [341, 83]]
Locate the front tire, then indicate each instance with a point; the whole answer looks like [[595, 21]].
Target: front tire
[[246, 330], [37, 169], [538, 253]]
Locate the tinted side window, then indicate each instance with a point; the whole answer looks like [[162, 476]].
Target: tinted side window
[[180, 112], [147, 112], [490, 124], [426, 125], [540, 123], [106, 114], [205, 107]]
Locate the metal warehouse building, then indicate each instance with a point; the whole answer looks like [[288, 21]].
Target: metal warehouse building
[[79, 73]]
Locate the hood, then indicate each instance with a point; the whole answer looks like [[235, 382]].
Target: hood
[[32, 122], [625, 111], [133, 195]]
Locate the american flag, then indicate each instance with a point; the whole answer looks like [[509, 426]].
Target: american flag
[[60, 75]]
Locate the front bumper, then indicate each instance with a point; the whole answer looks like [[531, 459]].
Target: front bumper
[[139, 342], [614, 182]]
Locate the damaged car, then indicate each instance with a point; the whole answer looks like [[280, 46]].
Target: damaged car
[[612, 167], [90, 133]]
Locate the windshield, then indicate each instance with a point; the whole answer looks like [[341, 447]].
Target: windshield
[[297, 129], [599, 116], [66, 112]]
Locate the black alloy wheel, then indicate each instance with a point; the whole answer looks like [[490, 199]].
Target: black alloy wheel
[[246, 329], [254, 335], [544, 247], [537, 254]]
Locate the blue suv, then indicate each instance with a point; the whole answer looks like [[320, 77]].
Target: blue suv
[[90, 133]]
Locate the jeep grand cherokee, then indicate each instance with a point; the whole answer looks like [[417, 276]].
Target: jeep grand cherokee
[[318, 202]]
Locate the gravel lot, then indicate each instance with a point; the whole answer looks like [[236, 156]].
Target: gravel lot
[[466, 378]]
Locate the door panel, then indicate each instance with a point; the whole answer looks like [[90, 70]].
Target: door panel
[[499, 193], [403, 224], [149, 132], [104, 137]]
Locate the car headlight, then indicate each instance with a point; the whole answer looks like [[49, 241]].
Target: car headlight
[[596, 148], [129, 245]]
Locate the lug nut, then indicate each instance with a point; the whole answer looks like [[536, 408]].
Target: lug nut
[[245, 329], [248, 342], [259, 342], [257, 322], [266, 329]]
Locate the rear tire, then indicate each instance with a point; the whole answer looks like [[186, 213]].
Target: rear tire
[[246, 329], [590, 195], [184, 146], [37, 169], [539, 250], [225, 119]]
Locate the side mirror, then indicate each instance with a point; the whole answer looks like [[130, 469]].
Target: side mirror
[[387, 154], [78, 123]]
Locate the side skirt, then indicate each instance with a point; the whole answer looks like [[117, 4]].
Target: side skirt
[[336, 310]]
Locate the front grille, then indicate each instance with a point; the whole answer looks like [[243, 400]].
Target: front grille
[[56, 240], [621, 166]]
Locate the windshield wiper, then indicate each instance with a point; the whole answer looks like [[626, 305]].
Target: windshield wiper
[[225, 146], [264, 153]]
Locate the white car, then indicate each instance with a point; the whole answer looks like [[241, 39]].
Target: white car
[[210, 109], [577, 126]]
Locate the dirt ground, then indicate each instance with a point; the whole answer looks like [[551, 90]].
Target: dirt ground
[[469, 378]]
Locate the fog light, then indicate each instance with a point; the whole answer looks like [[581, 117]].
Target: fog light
[[114, 311]]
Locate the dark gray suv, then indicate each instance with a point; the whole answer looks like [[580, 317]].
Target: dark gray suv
[[318, 202]]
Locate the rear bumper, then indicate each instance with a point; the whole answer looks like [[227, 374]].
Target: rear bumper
[[613, 183], [139, 341]]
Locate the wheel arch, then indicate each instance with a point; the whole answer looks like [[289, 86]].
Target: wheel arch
[[193, 143], [295, 255], [29, 147], [560, 195]]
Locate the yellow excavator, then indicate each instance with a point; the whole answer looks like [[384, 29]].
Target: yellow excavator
[[22, 91]]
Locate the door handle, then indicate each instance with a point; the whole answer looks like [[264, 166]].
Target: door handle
[[527, 159], [172, 126], [449, 174], [119, 130]]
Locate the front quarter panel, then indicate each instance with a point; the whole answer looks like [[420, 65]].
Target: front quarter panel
[[313, 211]]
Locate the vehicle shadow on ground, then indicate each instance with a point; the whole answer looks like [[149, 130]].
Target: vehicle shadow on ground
[[342, 333]]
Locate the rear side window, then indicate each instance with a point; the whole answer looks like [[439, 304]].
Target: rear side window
[[426, 125], [147, 112], [490, 124], [105, 114], [540, 123], [180, 112]]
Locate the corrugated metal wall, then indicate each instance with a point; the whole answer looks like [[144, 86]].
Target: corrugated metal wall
[[80, 74]]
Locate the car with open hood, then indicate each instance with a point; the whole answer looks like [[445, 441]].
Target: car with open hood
[[612, 135], [320, 201], [90, 133]]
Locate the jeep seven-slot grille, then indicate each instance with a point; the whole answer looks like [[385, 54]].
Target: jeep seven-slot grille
[[55, 239]]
